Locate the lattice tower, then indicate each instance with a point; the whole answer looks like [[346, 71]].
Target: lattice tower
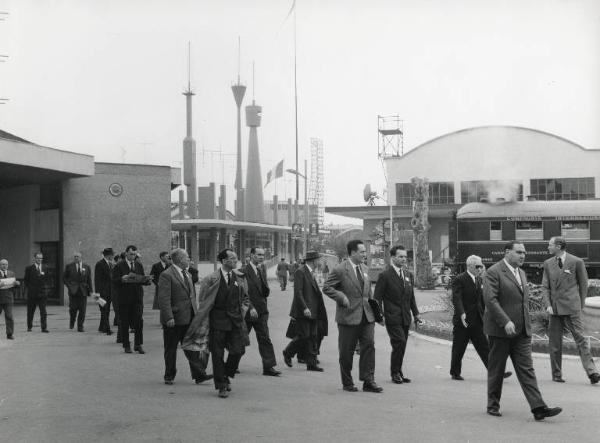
[[316, 195]]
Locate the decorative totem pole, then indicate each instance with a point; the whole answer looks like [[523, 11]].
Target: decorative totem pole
[[420, 226]]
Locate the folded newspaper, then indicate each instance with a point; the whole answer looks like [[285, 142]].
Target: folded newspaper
[[98, 299], [7, 283]]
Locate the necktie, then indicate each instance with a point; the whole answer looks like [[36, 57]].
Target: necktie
[[518, 278], [79, 269], [228, 278], [359, 276], [560, 263], [185, 278]]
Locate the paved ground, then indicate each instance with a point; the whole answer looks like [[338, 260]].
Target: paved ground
[[72, 387]]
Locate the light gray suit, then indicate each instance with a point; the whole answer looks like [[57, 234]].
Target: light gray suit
[[355, 322], [565, 290]]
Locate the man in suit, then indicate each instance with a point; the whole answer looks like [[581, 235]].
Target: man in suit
[[157, 269], [282, 273], [219, 323], [128, 278], [507, 324], [37, 279], [103, 285], [177, 304], [394, 290], [6, 297], [467, 298], [308, 309], [564, 289], [349, 285], [78, 280], [258, 291]]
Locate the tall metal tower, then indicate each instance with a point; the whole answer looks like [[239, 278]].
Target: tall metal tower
[[253, 201], [238, 94], [390, 136], [316, 190]]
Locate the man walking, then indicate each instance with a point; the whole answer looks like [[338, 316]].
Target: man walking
[[282, 273], [36, 281], [128, 278], [394, 290], [564, 288], [506, 322], [8, 282], [177, 304], [219, 322], [258, 291], [467, 297], [157, 268], [78, 280], [308, 309], [348, 284], [103, 285]]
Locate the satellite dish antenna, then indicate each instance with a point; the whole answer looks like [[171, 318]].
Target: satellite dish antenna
[[369, 195]]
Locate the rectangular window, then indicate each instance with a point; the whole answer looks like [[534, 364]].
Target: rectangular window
[[441, 193], [579, 230], [529, 230], [474, 191], [404, 194], [495, 231], [581, 188]]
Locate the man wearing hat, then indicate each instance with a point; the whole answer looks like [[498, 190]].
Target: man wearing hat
[[308, 309], [103, 284]]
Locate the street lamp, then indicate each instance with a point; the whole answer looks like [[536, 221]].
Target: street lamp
[[305, 177]]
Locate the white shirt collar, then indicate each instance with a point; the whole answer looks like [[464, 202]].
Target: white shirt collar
[[397, 269], [224, 273], [309, 268], [562, 256], [512, 269], [472, 276], [254, 267]]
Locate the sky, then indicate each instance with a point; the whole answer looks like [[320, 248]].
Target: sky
[[106, 78]]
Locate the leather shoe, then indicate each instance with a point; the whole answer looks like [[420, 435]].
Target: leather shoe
[[80, 330], [169, 382], [223, 393], [507, 374], [404, 379], [314, 368], [139, 350], [71, 325], [10, 337], [272, 372], [28, 329], [109, 332], [372, 387], [45, 330], [458, 377], [287, 360], [396, 378], [594, 378], [119, 340], [494, 412], [350, 388], [127, 350], [544, 411], [558, 379], [301, 361], [203, 378]]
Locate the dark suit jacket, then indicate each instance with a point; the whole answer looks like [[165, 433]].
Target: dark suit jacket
[[36, 283], [257, 291], [176, 298], [103, 279], [504, 301], [7, 295], [467, 298], [398, 297], [342, 282], [308, 295], [76, 282], [157, 269], [565, 289], [128, 293]]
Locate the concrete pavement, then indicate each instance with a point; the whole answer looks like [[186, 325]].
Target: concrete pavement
[[71, 387]]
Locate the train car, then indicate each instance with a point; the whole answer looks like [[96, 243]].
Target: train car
[[483, 228]]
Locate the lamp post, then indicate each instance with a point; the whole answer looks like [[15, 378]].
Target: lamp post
[[305, 177]]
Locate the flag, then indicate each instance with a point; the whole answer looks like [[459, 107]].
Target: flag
[[274, 173]]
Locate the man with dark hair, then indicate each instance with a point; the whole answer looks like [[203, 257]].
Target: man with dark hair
[[177, 302], [219, 323], [128, 277], [394, 290], [8, 282], [37, 279], [308, 309], [103, 285], [157, 268], [78, 280], [564, 289], [507, 324], [258, 291], [349, 285]]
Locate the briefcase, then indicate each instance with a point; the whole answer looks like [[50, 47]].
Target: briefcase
[[376, 310], [291, 329]]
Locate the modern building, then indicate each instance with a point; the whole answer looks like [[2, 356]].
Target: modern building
[[59, 202], [488, 162]]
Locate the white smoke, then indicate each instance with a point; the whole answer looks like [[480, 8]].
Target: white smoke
[[502, 191]]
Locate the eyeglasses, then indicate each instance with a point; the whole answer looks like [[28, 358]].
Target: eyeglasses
[[479, 266]]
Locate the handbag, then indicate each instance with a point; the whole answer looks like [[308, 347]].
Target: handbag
[[376, 310]]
